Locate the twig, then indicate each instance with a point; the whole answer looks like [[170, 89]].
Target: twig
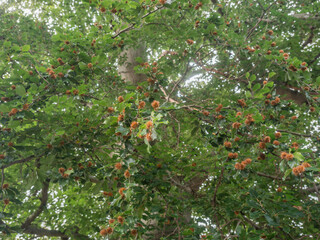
[[309, 40], [133, 24], [179, 130], [187, 189], [294, 133], [181, 79], [251, 223], [41, 75], [260, 19], [168, 99], [268, 176], [315, 188], [313, 60], [216, 189], [2, 182]]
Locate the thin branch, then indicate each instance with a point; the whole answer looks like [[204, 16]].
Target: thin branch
[[179, 129], [180, 80], [260, 19], [216, 189], [94, 179], [123, 30], [315, 188], [294, 133], [251, 223], [187, 189], [21, 161], [168, 99], [133, 24], [41, 75], [2, 181], [309, 40], [315, 59], [268, 176]]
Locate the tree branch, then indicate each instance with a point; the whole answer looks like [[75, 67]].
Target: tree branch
[[32, 229], [309, 40], [314, 59], [268, 176], [294, 133], [133, 24], [43, 203], [216, 189], [251, 223], [180, 80], [311, 189], [21, 161], [42, 232], [259, 20]]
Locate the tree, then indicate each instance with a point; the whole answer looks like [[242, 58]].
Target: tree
[[158, 119]]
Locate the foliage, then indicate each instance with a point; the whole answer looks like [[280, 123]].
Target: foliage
[[231, 152]]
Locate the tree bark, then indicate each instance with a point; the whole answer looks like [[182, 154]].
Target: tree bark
[[287, 94], [126, 69]]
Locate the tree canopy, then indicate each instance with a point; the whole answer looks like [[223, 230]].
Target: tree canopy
[[159, 119]]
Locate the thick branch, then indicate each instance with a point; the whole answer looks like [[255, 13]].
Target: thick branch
[[41, 232], [43, 203]]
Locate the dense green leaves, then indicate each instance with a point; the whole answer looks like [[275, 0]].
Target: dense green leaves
[[217, 139]]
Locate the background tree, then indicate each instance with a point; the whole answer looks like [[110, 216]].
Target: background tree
[[159, 119]]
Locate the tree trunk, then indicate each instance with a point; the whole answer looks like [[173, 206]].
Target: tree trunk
[[126, 70]]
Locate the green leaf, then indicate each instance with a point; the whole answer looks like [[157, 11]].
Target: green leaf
[[256, 87], [7, 44], [122, 130], [20, 90], [248, 94], [60, 132], [269, 84], [282, 165], [271, 74], [286, 174], [4, 108], [299, 156], [293, 163], [270, 220], [15, 48], [25, 48], [83, 66], [252, 78], [247, 75]]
